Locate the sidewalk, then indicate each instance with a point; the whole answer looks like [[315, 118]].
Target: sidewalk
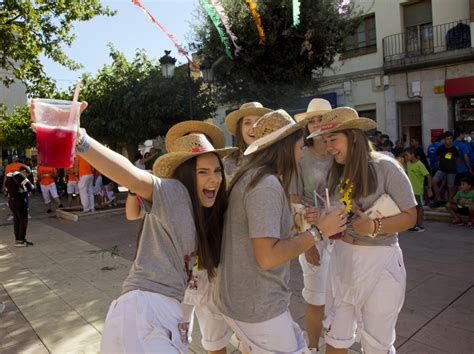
[[64, 284]]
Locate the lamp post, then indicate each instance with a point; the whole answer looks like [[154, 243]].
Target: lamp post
[[167, 63]]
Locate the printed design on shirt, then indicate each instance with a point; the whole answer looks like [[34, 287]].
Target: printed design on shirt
[[191, 278], [448, 155], [346, 188]]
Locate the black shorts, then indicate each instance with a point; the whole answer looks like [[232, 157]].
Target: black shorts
[[462, 210]]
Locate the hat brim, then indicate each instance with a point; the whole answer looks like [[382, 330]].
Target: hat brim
[[215, 134], [166, 164], [233, 117], [306, 115], [361, 123], [273, 137]]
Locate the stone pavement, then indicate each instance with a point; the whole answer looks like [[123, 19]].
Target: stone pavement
[[58, 291]]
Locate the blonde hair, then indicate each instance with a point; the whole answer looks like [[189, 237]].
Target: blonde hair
[[357, 170]]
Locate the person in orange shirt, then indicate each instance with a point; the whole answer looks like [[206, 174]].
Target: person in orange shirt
[[72, 187], [85, 172], [46, 177], [14, 166]]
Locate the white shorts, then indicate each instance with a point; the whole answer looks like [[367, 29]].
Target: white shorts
[[215, 331], [72, 187], [366, 290], [277, 335], [143, 322], [49, 191], [315, 277]]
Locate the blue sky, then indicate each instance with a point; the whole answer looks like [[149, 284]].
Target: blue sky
[[128, 30]]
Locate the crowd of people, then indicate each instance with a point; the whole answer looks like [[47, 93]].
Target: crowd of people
[[221, 225], [442, 177]]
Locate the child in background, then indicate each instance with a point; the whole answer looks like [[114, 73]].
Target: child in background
[[417, 172], [462, 204]]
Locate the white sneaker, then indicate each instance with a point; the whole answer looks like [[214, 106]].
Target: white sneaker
[[10, 218], [29, 216]]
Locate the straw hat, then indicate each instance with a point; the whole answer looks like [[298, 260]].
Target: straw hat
[[271, 128], [183, 149], [317, 107], [342, 118], [215, 134], [247, 109]]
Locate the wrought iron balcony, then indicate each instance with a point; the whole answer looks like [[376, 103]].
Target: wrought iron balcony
[[425, 44]]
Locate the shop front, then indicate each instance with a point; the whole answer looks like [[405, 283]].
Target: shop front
[[461, 93]]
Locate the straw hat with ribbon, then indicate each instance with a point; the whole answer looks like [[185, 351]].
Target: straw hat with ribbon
[[317, 107], [272, 127], [247, 109], [183, 149], [215, 134], [342, 118]]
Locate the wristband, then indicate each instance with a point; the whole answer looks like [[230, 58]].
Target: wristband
[[378, 228], [316, 233], [82, 141]]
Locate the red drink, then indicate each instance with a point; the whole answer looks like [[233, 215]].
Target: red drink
[[55, 146]]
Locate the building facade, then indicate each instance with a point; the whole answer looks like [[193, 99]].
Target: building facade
[[409, 66]]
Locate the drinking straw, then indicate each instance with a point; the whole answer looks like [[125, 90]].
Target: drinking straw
[[74, 100], [315, 198], [328, 204]]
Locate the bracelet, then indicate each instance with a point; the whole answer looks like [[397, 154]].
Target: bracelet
[[83, 141], [377, 229], [316, 233]]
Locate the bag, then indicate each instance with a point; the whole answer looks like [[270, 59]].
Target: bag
[[383, 207]]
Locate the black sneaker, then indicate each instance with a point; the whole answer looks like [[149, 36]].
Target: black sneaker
[[421, 228], [414, 229], [29, 243], [20, 244], [60, 206], [49, 211]]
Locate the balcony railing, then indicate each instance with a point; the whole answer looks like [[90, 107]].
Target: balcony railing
[[426, 39]]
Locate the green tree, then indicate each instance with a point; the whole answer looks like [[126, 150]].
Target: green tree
[[16, 127], [282, 67], [130, 101], [29, 29]]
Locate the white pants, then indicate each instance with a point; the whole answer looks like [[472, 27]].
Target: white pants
[[49, 191], [215, 331], [72, 187], [277, 335], [366, 290], [143, 322], [315, 277], [86, 190]]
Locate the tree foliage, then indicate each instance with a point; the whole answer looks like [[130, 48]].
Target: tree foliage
[[281, 67], [29, 29], [15, 127], [130, 101]]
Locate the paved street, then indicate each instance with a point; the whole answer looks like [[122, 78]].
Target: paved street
[[58, 291]]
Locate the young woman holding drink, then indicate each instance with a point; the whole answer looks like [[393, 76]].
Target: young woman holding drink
[[186, 198], [312, 179], [366, 281], [252, 285]]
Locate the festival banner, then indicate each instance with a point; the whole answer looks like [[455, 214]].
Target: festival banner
[[218, 24], [257, 19], [225, 21], [296, 13], [163, 28]]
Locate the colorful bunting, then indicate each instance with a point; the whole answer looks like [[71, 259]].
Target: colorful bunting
[[296, 13], [225, 21], [163, 28], [257, 20], [218, 24]]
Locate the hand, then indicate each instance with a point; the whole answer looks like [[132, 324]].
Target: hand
[[33, 112], [333, 223], [362, 224], [312, 256], [430, 193], [312, 214]]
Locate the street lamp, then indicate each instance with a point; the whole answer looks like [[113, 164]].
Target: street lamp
[[167, 63]]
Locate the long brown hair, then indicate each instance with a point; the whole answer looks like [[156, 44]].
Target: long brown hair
[[278, 159], [209, 221], [357, 168]]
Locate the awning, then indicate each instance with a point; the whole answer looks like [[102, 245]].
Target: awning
[[463, 86]]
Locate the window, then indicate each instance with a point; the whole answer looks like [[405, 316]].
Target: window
[[417, 20], [364, 39]]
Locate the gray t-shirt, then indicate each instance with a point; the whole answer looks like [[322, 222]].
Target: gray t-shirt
[[391, 180], [312, 175], [243, 291], [167, 246]]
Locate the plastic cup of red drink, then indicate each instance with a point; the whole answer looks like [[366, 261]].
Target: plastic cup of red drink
[[327, 211], [56, 129]]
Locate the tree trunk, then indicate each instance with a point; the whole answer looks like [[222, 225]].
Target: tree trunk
[[131, 150]]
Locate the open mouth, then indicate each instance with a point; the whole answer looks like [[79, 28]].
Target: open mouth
[[209, 193]]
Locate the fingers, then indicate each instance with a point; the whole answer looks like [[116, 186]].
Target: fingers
[[84, 105], [33, 127]]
